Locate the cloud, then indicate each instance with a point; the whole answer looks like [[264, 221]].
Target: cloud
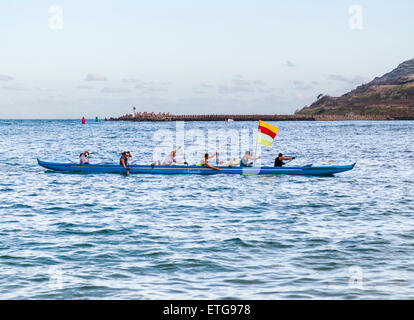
[[299, 96], [146, 84], [4, 77], [266, 90], [153, 86], [258, 82], [204, 88], [234, 89], [289, 64], [141, 84], [337, 77], [240, 85], [150, 89], [300, 85], [206, 85], [237, 84], [85, 87], [156, 89], [43, 89], [16, 87], [95, 77], [355, 80], [239, 81], [114, 90], [129, 80]]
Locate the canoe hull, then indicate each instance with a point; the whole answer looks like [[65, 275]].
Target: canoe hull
[[141, 169]]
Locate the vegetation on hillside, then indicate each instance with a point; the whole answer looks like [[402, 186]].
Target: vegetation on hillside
[[391, 95]]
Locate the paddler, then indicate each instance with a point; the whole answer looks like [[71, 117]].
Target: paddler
[[244, 162], [84, 157], [169, 159], [204, 161], [123, 161], [233, 163], [279, 160]]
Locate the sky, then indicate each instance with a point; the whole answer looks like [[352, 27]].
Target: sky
[[70, 58]]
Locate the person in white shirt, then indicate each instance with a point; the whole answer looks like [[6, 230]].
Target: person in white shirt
[[169, 159], [233, 163], [84, 157]]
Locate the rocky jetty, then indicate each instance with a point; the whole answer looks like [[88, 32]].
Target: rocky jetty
[[151, 116]]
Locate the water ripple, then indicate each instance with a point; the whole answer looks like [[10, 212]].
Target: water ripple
[[76, 236]]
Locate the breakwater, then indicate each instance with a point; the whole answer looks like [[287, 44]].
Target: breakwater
[[151, 116]]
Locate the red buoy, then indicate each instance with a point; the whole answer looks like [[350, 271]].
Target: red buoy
[[83, 120]]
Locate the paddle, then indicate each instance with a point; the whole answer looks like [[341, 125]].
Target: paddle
[[185, 160], [211, 167], [293, 158], [182, 149], [129, 162]]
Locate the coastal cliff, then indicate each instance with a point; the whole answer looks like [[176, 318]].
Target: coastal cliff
[[390, 96]]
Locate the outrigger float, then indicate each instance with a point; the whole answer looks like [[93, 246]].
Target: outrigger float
[[309, 170]]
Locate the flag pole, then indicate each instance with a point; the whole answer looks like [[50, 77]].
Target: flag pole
[[257, 135]]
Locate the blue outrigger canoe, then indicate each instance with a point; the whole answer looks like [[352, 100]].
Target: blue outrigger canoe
[[183, 169]]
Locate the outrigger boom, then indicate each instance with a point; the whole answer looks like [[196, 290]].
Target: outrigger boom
[[183, 169]]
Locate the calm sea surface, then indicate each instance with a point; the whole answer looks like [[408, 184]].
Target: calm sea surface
[[109, 236]]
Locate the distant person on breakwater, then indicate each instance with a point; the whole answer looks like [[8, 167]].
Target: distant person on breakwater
[[84, 157], [245, 160], [123, 161], [169, 159], [204, 161], [279, 160]]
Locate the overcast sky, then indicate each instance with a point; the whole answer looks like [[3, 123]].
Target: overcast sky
[[70, 58]]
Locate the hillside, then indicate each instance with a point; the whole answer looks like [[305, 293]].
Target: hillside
[[391, 95]]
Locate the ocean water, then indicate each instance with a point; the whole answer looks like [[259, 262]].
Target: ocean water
[[110, 236]]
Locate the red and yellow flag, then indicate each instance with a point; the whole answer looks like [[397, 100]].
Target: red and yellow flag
[[266, 134]]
